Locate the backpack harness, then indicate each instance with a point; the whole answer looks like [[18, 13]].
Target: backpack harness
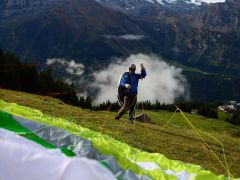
[[123, 91]]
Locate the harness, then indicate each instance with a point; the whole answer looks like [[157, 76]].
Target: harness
[[123, 91]]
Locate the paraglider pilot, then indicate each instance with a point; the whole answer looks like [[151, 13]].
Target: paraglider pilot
[[127, 91]]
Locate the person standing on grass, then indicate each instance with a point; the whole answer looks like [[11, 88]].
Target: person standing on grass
[[127, 91]]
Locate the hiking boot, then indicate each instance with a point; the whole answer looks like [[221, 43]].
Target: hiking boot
[[117, 117], [131, 120]]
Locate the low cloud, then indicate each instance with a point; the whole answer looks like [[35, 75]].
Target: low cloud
[[164, 82], [126, 37], [66, 69], [70, 66]]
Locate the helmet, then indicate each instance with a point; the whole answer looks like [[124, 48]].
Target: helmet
[[132, 66]]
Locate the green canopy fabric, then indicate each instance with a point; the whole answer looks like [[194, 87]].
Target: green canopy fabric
[[149, 165]]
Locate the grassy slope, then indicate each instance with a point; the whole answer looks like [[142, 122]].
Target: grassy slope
[[176, 141]]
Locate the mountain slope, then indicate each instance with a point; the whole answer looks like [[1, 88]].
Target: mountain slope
[[205, 36], [133, 5], [76, 29]]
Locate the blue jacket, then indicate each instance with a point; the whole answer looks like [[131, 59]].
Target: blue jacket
[[132, 79]]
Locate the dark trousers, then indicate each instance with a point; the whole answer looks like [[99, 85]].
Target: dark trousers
[[129, 103]]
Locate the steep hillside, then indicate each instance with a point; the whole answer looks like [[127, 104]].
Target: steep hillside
[[78, 29], [176, 139], [205, 36]]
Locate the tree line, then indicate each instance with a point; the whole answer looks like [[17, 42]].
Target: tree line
[[207, 110], [24, 77]]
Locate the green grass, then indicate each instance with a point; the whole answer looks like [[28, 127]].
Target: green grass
[[177, 140]]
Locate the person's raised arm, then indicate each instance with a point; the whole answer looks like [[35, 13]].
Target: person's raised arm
[[143, 72]]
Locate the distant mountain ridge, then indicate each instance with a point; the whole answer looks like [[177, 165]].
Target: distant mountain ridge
[[133, 6], [74, 29], [132, 3], [205, 36]]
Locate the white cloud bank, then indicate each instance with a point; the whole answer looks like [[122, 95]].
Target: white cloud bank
[[70, 66], [164, 82], [65, 69]]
